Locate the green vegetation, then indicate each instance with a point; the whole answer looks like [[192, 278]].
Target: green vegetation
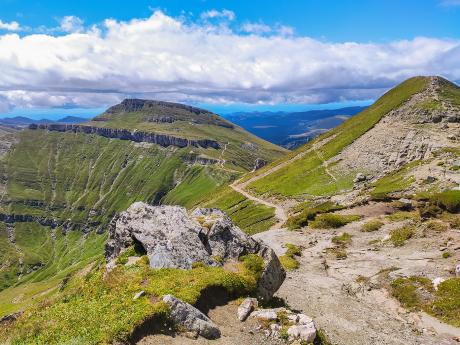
[[248, 215], [332, 220], [109, 305], [402, 215], [417, 293], [307, 175], [339, 253], [450, 92], [372, 225], [342, 240], [77, 182], [307, 212], [394, 182], [405, 290], [289, 259], [446, 255], [399, 236], [436, 226], [448, 200]]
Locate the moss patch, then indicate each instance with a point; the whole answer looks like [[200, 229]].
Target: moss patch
[[331, 220], [399, 236], [289, 259], [372, 225]]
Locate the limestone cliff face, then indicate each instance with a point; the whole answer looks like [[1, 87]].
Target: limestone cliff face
[[126, 134]]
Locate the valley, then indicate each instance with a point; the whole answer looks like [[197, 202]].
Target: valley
[[364, 221]]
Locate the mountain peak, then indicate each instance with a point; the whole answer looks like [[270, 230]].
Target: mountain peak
[[135, 104]]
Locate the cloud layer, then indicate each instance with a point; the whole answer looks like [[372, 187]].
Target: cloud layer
[[175, 59]]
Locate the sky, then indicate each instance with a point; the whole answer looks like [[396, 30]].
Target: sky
[[79, 57]]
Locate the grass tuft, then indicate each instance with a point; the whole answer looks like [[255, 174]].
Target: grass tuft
[[289, 259], [399, 236], [331, 220], [372, 225]]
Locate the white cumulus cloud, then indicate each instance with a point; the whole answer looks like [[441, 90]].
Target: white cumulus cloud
[[71, 24], [11, 26], [168, 58], [226, 14]]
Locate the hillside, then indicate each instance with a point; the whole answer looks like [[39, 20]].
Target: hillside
[[60, 188], [410, 122], [292, 129], [374, 204]]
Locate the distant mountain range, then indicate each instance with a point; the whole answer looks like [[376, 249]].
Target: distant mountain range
[[22, 121], [292, 129]]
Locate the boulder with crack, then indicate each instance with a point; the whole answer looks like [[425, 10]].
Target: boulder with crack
[[172, 238]]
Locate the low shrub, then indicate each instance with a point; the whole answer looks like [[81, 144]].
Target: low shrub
[[448, 200], [406, 291], [436, 226], [429, 211], [372, 225], [446, 255], [331, 220], [289, 260], [308, 212], [338, 252], [402, 215], [399, 236], [342, 240]]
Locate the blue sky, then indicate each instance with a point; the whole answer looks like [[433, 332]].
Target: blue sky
[[336, 20], [224, 55]]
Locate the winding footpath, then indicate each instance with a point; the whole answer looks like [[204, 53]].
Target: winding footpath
[[280, 212]]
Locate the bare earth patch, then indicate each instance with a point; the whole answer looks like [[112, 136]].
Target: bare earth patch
[[349, 298]]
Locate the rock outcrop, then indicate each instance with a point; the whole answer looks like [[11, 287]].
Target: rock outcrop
[[166, 112], [190, 318], [173, 239], [126, 134]]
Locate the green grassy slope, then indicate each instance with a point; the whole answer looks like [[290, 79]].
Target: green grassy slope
[[307, 175], [74, 183]]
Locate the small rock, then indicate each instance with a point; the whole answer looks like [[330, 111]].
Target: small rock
[[430, 179], [246, 308], [190, 318], [451, 137], [265, 314], [294, 318], [305, 333], [139, 294], [275, 327], [360, 177], [457, 270], [304, 319], [437, 281]]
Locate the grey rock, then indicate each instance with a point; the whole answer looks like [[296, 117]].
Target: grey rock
[[126, 134], [139, 294], [193, 320], [173, 239], [304, 332], [245, 308], [457, 270], [10, 317], [265, 314], [360, 177], [259, 163]]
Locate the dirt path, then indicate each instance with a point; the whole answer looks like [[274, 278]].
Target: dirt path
[[280, 213], [363, 312]]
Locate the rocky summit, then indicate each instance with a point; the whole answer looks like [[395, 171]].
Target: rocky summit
[[172, 238]]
